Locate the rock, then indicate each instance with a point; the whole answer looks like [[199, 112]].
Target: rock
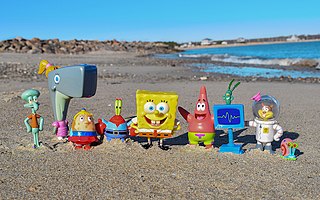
[[5, 46], [203, 78], [55, 46], [56, 40], [11, 49], [35, 40], [20, 39], [47, 49], [34, 51], [29, 43], [62, 50], [25, 49], [306, 63], [78, 49]]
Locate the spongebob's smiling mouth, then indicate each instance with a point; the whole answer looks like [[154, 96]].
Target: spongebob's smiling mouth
[[155, 122]]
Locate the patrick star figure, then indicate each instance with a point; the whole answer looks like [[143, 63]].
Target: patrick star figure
[[201, 127]]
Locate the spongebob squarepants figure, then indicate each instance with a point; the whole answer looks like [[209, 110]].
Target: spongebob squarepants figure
[[156, 116]]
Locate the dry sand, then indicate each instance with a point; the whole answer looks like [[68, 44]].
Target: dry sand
[[127, 171]]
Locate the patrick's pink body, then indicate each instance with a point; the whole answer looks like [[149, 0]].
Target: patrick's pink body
[[201, 127], [202, 120]]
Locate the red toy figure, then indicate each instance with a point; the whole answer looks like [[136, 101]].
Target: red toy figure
[[116, 127], [201, 127], [83, 130]]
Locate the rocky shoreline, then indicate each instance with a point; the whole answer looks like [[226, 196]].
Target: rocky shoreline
[[118, 67], [56, 46], [119, 54]]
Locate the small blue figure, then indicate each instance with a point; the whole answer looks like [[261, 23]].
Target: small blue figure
[[33, 122], [116, 127]]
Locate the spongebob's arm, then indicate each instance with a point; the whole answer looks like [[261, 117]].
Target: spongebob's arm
[[134, 122], [177, 125]]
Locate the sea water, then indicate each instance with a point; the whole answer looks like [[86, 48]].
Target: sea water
[[257, 72], [251, 56]]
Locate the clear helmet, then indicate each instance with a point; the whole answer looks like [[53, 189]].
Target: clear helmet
[[266, 108]]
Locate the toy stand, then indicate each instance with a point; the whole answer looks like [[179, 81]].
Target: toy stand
[[231, 147], [229, 116]]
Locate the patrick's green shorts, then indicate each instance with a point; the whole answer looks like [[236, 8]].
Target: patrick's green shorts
[[206, 138]]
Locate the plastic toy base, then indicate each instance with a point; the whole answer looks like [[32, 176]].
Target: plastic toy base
[[110, 136], [231, 148], [290, 157]]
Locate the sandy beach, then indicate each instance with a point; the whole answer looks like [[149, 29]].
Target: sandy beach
[[115, 170]]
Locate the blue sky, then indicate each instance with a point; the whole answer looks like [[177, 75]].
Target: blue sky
[[165, 20]]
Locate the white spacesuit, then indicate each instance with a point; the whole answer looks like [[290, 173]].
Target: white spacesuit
[[266, 109], [266, 132]]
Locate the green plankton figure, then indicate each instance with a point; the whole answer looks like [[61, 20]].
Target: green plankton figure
[[228, 97], [33, 122]]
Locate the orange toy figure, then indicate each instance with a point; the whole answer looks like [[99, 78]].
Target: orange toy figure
[[83, 130], [201, 128]]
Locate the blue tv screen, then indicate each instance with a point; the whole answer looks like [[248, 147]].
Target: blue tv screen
[[228, 116]]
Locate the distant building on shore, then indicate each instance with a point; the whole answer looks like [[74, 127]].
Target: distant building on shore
[[224, 43], [206, 42], [293, 38], [241, 40], [187, 45]]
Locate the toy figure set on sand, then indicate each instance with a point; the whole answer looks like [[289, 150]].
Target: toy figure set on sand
[[155, 115]]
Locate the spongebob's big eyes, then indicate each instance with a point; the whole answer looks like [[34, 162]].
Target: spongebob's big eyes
[[149, 107], [56, 78], [163, 107]]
